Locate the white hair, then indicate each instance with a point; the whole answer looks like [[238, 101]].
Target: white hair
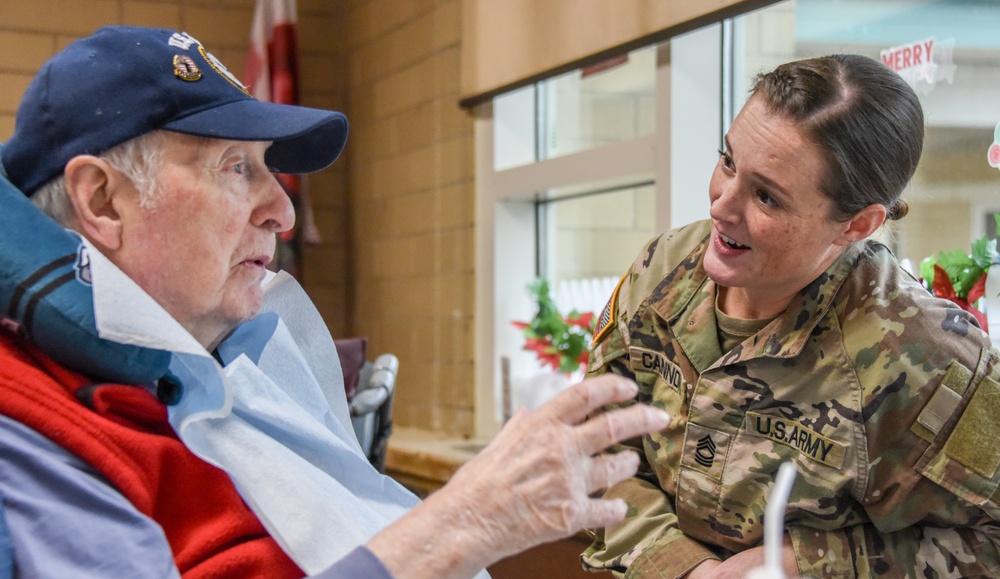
[[138, 159]]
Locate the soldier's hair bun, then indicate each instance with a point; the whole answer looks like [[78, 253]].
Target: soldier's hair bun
[[897, 210]]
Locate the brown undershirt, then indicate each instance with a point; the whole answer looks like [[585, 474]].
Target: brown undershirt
[[733, 331]]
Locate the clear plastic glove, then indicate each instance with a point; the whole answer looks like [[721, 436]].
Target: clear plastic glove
[[531, 485]]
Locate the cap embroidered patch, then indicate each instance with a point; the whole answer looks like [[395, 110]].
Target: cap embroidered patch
[[185, 68], [185, 41], [222, 70], [182, 40]]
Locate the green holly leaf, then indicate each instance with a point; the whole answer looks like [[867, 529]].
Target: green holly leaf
[[984, 250], [964, 270], [927, 271]]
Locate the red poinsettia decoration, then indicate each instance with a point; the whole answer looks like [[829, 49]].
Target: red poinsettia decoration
[[961, 277], [943, 288], [559, 341]]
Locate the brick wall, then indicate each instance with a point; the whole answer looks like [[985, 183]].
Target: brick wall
[[395, 213], [411, 193]]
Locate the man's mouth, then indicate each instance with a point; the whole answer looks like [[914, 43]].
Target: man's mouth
[[258, 261], [732, 242]]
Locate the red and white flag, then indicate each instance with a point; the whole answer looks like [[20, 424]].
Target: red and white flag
[[272, 75], [272, 62]]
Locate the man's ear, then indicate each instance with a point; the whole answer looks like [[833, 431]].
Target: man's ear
[[92, 186], [866, 222]]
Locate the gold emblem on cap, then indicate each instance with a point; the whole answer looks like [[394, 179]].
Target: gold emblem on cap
[[220, 68], [185, 68]]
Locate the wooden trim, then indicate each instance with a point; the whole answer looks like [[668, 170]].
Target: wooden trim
[[508, 44]]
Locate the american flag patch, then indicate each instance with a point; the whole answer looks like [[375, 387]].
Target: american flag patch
[[605, 316], [607, 319]]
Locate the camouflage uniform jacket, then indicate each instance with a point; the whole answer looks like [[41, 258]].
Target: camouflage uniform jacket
[[885, 398]]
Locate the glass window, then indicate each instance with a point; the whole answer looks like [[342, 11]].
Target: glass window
[[594, 232], [610, 102], [607, 103], [570, 196], [585, 236], [514, 135]]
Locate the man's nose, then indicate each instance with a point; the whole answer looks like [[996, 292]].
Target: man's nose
[[275, 212]]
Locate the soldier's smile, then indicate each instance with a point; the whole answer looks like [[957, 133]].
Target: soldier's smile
[[730, 246]]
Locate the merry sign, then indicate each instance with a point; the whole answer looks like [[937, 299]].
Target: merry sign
[[922, 63]]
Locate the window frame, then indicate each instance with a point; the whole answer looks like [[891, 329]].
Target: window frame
[[505, 213]]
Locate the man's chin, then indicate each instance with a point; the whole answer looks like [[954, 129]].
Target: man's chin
[[228, 327], [248, 311], [237, 312]]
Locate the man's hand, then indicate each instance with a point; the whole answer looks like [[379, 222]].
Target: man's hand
[[532, 484]]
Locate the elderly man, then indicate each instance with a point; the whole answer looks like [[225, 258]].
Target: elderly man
[[233, 459]]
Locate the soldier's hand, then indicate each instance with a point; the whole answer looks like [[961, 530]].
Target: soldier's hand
[[534, 482], [743, 563]]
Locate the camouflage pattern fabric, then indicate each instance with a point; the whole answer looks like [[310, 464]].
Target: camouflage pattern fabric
[[885, 398]]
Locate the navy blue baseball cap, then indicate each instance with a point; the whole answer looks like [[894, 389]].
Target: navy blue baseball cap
[[123, 82]]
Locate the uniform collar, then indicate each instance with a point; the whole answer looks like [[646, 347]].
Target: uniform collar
[[685, 297], [787, 335]]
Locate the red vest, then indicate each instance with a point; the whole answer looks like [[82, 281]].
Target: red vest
[[126, 437]]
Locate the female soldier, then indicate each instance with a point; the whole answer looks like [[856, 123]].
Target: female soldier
[[776, 332]]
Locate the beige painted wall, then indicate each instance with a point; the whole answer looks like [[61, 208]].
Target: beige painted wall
[[412, 199]]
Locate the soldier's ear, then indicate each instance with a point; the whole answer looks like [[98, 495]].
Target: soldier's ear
[[94, 188], [866, 222]]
